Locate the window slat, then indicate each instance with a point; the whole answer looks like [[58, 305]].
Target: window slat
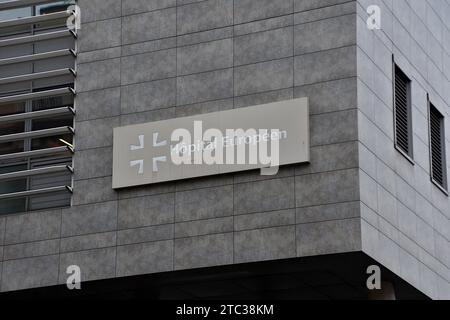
[[29, 193], [36, 134], [34, 172]]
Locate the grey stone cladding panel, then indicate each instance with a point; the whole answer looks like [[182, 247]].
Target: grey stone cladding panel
[[204, 203], [130, 7], [148, 66], [205, 57], [148, 96], [334, 64], [88, 242], [204, 15], [138, 259], [329, 237], [149, 26], [37, 226], [93, 163], [265, 244], [98, 104], [263, 46], [93, 191], [96, 133], [31, 249], [267, 195], [98, 75], [91, 218], [95, 10], [100, 35], [203, 251], [213, 85], [146, 211], [249, 10], [264, 76], [30, 273], [333, 33]]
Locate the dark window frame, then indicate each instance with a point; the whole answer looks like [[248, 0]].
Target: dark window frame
[[408, 154], [433, 109]]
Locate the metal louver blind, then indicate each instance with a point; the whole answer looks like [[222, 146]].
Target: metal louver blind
[[37, 74], [402, 112], [437, 147]]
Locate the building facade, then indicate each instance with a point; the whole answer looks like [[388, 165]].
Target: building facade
[[375, 189]]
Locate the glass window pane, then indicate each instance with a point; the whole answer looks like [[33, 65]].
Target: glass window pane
[[15, 13], [53, 102], [11, 147], [11, 186], [12, 206], [53, 7], [17, 167], [12, 108], [41, 124], [50, 142], [12, 127]]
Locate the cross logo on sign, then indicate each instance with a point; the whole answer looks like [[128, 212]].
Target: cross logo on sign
[[141, 146], [139, 162], [157, 144]]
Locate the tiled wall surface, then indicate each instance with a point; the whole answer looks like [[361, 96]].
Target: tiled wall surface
[[405, 218], [147, 60]]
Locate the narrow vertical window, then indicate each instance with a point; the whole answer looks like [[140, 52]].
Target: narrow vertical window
[[437, 147], [402, 113]]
